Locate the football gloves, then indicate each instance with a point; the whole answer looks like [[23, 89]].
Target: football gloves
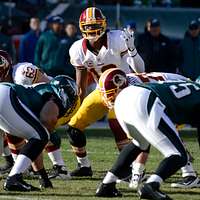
[[129, 41]]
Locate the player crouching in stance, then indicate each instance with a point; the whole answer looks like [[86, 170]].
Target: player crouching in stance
[[148, 113], [32, 113], [27, 74]]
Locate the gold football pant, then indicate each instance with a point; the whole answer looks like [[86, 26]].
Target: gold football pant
[[91, 110]]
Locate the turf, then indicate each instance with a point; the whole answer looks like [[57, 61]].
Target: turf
[[102, 153]]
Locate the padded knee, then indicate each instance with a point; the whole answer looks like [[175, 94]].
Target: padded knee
[[33, 148], [55, 139], [76, 137]]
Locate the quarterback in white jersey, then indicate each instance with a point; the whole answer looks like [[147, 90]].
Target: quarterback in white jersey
[[113, 53], [99, 50]]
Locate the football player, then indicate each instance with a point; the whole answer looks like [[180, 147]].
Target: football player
[[28, 74], [109, 83], [36, 111], [100, 49], [150, 112]]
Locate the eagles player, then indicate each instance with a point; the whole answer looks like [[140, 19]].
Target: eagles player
[[113, 80], [36, 110], [28, 74], [99, 50], [155, 108]]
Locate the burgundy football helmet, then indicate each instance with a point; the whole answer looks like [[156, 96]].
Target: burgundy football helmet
[[5, 64], [111, 82], [92, 23]]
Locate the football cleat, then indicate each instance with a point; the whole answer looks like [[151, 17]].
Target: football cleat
[[187, 182], [45, 183], [16, 183], [151, 191], [108, 190], [59, 172], [8, 165], [136, 180], [82, 171]]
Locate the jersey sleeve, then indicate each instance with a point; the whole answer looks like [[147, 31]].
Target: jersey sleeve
[[25, 74], [76, 54], [118, 42]]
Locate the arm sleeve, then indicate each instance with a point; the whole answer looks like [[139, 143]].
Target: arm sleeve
[[26, 74], [135, 62], [75, 57]]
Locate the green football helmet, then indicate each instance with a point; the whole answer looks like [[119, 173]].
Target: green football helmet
[[66, 91]]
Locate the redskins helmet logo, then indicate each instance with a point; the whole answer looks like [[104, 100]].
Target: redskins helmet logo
[[119, 80]]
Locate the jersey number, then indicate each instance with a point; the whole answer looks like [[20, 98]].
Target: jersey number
[[183, 89], [29, 72]]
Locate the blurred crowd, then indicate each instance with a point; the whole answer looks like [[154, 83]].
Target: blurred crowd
[[163, 54], [49, 50]]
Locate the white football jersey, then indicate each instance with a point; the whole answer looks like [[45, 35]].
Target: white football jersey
[[25, 73], [112, 54], [153, 77]]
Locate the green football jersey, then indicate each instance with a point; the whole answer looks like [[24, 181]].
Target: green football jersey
[[182, 100], [34, 97]]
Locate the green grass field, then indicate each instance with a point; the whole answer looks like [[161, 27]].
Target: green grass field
[[102, 153]]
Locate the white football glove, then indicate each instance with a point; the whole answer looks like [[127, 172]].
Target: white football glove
[[129, 39]]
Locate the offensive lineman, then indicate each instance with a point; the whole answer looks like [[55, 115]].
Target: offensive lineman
[[36, 110], [28, 74], [149, 111], [100, 49]]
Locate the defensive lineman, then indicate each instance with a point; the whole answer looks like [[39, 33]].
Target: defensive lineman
[[28, 74], [36, 111], [150, 111]]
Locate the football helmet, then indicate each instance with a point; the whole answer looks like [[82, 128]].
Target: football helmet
[[67, 92], [111, 82], [5, 64], [92, 23]]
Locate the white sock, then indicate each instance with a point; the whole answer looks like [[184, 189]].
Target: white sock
[[21, 164], [56, 157], [137, 168], [154, 178], [6, 151], [188, 170], [14, 156], [83, 161], [109, 178]]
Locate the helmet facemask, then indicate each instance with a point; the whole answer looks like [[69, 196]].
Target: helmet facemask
[[93, 30], [109, 96]]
